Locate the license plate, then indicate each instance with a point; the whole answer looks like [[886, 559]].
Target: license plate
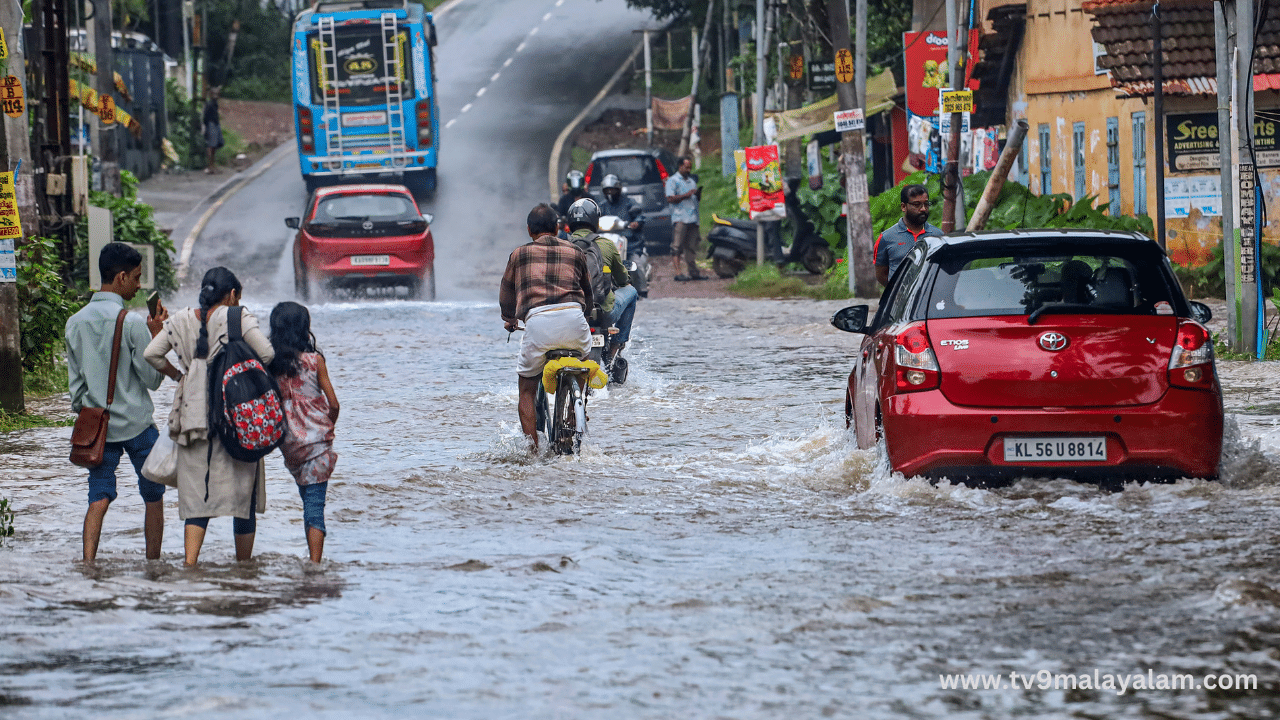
[[597, 340], [363, 119], [1058, 449], [358, 260]]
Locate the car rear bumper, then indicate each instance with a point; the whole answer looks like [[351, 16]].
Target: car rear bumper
[[331, 260], [1178, 436]]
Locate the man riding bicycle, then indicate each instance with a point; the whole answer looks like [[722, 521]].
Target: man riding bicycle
[[548, 286]]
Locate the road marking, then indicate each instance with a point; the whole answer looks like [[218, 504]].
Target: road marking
[[559, 3], [450, 123], [495, 77], [521, 46], [480, 92], [534, 31], [466, 107], [508, 62], [546, 17]]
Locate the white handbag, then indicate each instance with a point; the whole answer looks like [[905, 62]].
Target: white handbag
[[162, 464]]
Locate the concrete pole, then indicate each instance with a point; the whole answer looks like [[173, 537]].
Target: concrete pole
[[11, 397], [1223, 35], [1248, 179], [648, 91], [860, 55], [188, 8], [951, 166], [757, 137], [996, 182], [108, 152], [862, 276], [1157, 77]]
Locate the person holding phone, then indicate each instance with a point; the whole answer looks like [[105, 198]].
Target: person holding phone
[[683, 194]]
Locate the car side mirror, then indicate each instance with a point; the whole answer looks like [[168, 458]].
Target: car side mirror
[[293, 222], [1200, 312], [428, 217], [431, 35], [851, 319]]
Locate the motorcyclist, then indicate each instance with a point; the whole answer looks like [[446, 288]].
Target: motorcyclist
[[574, 189], [617, 204], [619, 307]]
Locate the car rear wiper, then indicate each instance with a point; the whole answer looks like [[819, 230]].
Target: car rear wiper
[[1074, 307]]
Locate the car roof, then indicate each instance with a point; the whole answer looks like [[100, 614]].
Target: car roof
[[367, 188], [621, 152], [993, 239]]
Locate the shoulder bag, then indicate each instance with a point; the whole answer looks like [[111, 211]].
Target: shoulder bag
[[89, 436]]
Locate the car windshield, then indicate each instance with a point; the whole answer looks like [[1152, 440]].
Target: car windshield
[[972, 284], [630, 169], [376, 208]]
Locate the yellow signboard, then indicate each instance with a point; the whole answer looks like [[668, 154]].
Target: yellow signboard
[[10, 225], [107, 109], [957, 101], [11, 96], [844, 65], [4, 46]]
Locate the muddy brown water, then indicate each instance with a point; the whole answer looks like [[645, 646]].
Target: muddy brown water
[[721, 549]]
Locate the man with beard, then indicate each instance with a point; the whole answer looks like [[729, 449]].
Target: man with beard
[[896, 242]]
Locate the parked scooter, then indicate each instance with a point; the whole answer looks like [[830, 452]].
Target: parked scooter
[[615, 229], [733, 242]]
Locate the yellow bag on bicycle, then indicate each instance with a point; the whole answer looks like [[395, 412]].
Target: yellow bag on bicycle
[[596, 378]]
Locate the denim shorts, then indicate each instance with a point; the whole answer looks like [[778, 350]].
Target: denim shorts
[[313, 505], [102, 479]]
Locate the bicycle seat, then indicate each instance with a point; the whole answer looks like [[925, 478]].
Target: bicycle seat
[[559, 353]]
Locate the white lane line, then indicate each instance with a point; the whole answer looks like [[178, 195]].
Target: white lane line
[[495, 77], [546, 17], [559, 3], [508, 62], [533, 32], [466, 107], [450, 123], [521, 46], [480, 92]]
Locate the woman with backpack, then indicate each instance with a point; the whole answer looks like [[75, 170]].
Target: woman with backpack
[[211, 483]]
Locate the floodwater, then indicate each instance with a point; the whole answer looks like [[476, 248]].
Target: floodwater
[[721, 549]]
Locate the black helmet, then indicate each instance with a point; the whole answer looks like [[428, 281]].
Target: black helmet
[[583, 213], [574, 179], [610, 181]]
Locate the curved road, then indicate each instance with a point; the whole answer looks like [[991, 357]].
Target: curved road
[[510, 75]]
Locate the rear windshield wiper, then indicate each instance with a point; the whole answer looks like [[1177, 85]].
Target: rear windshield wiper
[[1075, 307]]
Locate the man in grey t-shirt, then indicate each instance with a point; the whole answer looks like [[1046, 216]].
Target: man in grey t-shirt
[[896, 242]]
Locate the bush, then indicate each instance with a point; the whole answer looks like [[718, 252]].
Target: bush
[[132, 221], [44, 303], [183, 117], [1210, 279]]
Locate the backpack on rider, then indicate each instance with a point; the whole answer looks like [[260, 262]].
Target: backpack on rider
[[586, 214], [245, 409]]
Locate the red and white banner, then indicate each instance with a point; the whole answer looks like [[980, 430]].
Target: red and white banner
[[764, 183]]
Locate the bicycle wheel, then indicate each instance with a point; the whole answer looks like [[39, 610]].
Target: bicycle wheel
[[564, 421]]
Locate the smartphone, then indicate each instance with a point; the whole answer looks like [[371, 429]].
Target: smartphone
[[153, 303]]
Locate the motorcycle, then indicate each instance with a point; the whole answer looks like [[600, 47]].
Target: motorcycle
[[638, 266], [733, 242]]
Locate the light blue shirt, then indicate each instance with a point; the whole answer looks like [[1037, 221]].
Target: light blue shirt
[[89, 336], [685, 211]]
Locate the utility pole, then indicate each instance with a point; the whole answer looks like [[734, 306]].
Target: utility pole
[[108, 150], [701, 54], [1224, 46], [1157, 77], [11, 397], [648, 91], [1247, 185], [51, 131], [757, 137], [853, 166], [860, 54], [952, 185]]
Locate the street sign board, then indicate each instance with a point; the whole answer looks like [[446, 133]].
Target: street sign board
[[797, 67], [822, 76], [957, 101], [844, 65], [849, 120], [4, 46], [1192, 139], [11, 96]]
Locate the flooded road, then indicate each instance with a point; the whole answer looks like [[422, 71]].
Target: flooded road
[[721, 549]]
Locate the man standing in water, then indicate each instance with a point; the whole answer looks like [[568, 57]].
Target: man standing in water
[[547, 285], [90, 337], [896, 242]]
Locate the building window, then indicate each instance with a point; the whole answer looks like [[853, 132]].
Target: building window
[[1024, 167], [1046, 170], [1113, 164], [1140, 163], [1077, 155]]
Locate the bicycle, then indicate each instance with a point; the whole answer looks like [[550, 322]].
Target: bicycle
[[565, 421]]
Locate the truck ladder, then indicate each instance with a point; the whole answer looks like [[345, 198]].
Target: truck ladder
[[329, 87], [393, 65]]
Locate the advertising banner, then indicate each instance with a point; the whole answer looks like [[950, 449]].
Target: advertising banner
[[764, 183], [1192, 139], [926, 76]]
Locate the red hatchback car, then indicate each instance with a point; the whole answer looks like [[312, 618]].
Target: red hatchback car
[[363, 235], [1036, 353]]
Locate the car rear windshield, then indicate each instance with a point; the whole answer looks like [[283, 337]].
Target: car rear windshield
[[997, 282], [359, 208], [630, 169]]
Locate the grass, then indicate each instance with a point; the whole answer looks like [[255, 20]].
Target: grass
[[233, 144], [47, 380], [25, 421]]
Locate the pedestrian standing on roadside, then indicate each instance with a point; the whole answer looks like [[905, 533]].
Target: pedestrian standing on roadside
[[211, 483], [895, 243], [311, 409], [683, 194], [90, 337], [213, 139]]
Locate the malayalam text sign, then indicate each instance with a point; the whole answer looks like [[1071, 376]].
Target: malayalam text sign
[[957, 101], [849, 120], [10, 224]]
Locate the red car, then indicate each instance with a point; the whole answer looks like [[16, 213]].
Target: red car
[[1060, 353], [355, 236]]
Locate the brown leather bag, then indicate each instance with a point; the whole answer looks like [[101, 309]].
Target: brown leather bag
[[89, 436]]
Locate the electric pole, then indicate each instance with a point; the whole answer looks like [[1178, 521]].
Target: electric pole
[[853, 166], [1224, 49], [1246, 186], [108, 150]]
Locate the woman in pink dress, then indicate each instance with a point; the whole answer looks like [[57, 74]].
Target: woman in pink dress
[[311, 407]]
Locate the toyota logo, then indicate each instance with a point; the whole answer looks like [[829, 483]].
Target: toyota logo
[[368, 225], [1053, 341]]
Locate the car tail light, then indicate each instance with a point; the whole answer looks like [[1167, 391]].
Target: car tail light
[[586, 179], [424, 124], [1191, 362], [917, 366], [306, 134], [662, 170]]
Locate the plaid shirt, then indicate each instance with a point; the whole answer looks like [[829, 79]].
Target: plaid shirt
[[544, 271]]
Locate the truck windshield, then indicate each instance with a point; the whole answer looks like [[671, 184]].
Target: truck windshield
[[362, 77]]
